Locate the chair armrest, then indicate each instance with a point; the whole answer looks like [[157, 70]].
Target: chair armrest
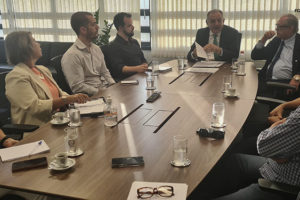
[[280, 85], [268, 100], [9, 128], [263, 183]]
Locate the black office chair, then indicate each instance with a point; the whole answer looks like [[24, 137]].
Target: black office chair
[[11, 130], [61, 79], [239, 39]]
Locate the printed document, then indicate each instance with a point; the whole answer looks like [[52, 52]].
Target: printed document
[[94, 106]]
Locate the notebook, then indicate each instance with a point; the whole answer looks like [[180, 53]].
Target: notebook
[[21, 151], [180, 190]]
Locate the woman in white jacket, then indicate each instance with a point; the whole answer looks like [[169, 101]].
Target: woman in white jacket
[[33, 93]]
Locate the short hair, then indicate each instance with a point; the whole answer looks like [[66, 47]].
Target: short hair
[[78, 20], [18, 47], [292, 21], [214, 11], [119, 19]]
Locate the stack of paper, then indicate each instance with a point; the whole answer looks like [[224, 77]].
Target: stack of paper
[[209, 64], [200, 51], [180, 190], [94, 106], [24, 150], [202, 70]]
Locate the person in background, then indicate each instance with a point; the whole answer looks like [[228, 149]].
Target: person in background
[[83, 63], [220, 42], [32, 92], [125, 54], [282, 55]]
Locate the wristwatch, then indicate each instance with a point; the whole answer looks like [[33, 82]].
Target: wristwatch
[[296, 77]]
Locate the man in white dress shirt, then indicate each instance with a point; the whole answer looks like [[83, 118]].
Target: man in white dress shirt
[[83, 64]]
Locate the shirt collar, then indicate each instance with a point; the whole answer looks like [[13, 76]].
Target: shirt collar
[[290, 41], [80, 44], [121, 40], [211, 34]]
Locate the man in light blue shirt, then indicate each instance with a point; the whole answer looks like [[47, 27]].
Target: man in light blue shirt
[[282, 54]]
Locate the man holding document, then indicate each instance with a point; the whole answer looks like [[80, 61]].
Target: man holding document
[[219, 41]]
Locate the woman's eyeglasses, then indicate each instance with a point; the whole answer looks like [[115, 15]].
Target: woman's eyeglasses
[[148, 192]]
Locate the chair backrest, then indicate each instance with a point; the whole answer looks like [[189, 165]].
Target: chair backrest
[[61, 79], [239, 38], [4, 103]]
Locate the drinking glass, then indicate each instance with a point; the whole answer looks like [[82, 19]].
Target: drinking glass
[[180, 63], [111, 118], [74, 117], [180, 152], [218, 113], [234, 64], [241, 69], [155, 68], [71, 142], [227, 82], [150, 83]]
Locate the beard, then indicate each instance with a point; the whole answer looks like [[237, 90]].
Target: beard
[[129, 34]]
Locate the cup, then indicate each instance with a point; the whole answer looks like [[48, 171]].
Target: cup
[[71, 140], [74, 118], [241, 69], [111, 117], [180, 63], [58, 117], [155, 68], [150, 83], [227, 82], [234, 64], [218, 113], [180, 152], [231, 91], [61, 159]]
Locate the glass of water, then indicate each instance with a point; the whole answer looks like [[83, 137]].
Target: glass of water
[[155, 68], [241, 69], [72, 142], [218, 113], [111, 117], [227, 83], [74, 118], [180, 152], [150, 83]]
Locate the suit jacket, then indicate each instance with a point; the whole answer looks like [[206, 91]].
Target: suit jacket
[[229, 42], [30, 98], [268, 52]]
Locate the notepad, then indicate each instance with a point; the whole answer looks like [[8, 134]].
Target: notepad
[[180, 190], [94, 106], [21, 151]]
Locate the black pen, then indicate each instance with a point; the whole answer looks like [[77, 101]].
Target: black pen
[[150, 63]]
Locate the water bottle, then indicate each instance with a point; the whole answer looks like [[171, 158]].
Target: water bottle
[[110, 113]]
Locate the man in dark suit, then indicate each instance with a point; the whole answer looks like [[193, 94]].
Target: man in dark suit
[[282, 55], [221, 42]]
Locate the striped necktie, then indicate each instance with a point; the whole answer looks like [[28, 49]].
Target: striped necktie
[[217, 44], [275, 59]]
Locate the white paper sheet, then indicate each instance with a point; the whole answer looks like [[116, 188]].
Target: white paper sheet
[[21, 151], [208, 64], [200, 51], [94, 106], [180, 190], [202, 70]]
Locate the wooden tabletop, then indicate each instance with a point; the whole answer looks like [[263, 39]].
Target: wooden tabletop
[[93, 178]]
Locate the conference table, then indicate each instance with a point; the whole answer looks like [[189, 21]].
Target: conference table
[[182, 98]]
